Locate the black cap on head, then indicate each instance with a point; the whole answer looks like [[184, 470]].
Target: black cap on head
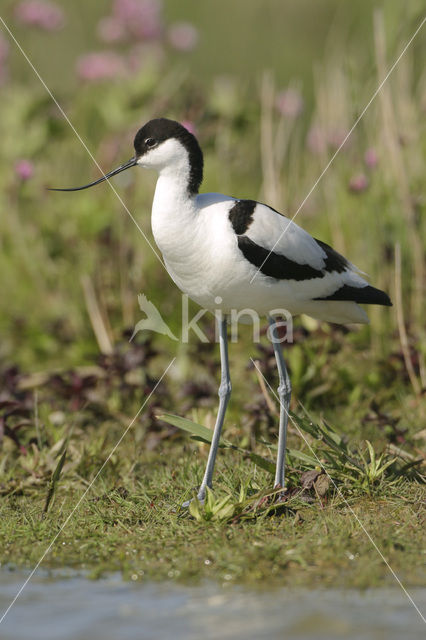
[[160, 129]]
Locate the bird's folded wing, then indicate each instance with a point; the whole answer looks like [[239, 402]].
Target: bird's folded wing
[[273, 232]]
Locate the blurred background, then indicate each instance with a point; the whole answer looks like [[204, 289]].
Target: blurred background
[[271, 88]]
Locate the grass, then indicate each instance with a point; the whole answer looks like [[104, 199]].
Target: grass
[[338, 487], [140, 530], [71, 383]]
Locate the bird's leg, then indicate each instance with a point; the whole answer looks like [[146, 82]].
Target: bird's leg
[[284, 394], [224, 394]]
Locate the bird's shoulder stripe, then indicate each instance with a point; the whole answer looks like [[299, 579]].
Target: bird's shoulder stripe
[[241, 215], [274, 264]]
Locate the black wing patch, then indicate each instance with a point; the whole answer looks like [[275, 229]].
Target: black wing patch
[[334, 261], [275, 265], [363, 295], [241, 215]]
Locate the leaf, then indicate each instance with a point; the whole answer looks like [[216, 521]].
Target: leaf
[[384, 466], [304, 424], [372, 454], [210, 500], [225, 513], [197, 431], [261, 462], [218, 505], [55, 477], [194, 509], [187, 425], [312, 462], [200, 439]]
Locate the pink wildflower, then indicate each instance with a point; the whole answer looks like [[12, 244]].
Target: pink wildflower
[[370, 158], [336, 137], [316, 141], [140, 18], [40, 13], [102, 65], [110, 30], [358, 183], [24, 169], [289, 103], [183, 36], [189, 126]]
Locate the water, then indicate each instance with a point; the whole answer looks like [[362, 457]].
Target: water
[[56, 607]]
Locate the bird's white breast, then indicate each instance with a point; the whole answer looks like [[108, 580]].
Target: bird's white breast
[[194, 238]]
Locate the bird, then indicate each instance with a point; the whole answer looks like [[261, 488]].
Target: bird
[[228, 253]]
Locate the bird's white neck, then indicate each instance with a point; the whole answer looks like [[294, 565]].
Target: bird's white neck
[[171, 192], [173, 208]]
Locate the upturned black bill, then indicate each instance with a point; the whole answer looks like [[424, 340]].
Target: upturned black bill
[[131, 163]]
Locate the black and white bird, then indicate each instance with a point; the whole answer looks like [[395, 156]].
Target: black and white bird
[[229, 254]]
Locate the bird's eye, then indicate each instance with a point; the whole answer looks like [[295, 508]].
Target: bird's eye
[[150, 142]]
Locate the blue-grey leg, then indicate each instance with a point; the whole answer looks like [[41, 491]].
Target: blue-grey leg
[[224, 394], [284, 394]]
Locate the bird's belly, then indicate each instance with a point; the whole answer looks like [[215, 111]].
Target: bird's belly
[[223, 281]]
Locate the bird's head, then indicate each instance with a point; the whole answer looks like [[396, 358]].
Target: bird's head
[[166, 146]]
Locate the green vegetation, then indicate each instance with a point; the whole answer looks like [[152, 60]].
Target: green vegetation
[[340, 493], [131, 519], [72, 265]]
